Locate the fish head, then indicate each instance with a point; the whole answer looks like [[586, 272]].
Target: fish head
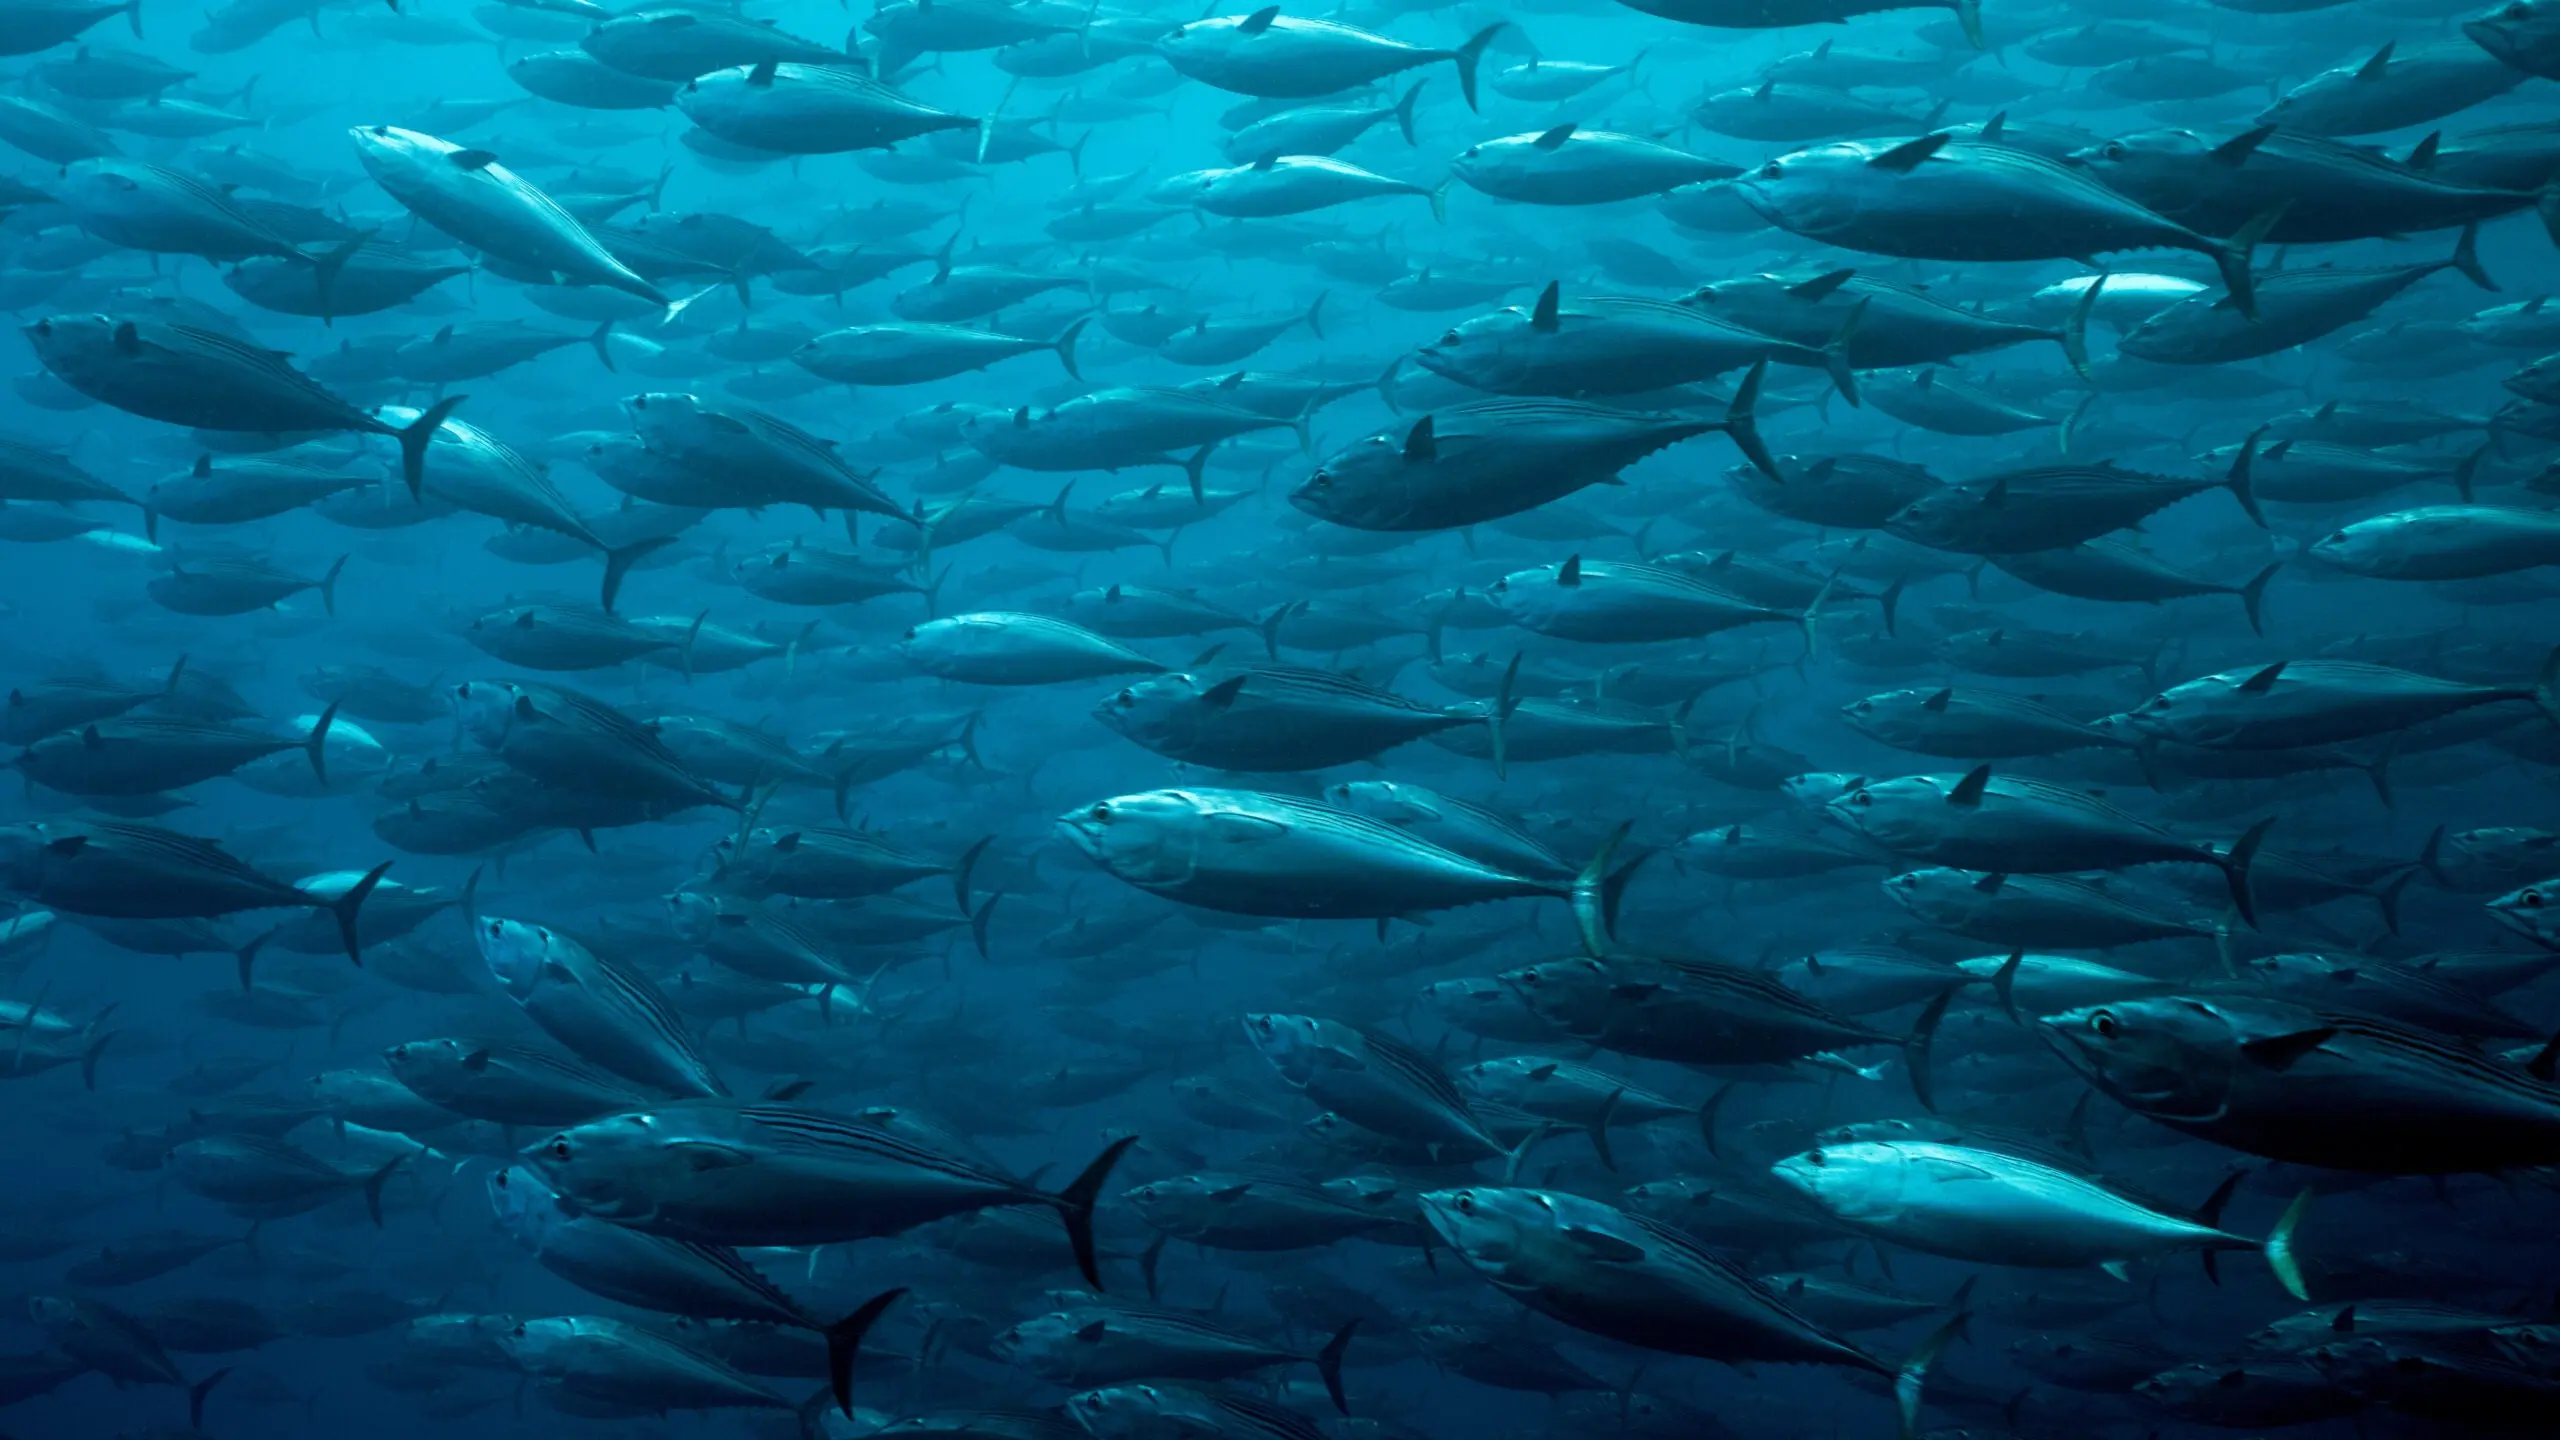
[[1126, 1412], [1816, 789], [1933, 519], [540, 1345], [525, 1207], [1515, 1237], [101, 187], [2367, 547], [1048, 1341], [2160, 167], [56, 1315], [1383, 800], [693, 915], [22, 855], [1935, 894], [2533, 911], [2520, 32], [1155, 711], [2199, 712], [1575, 993], [1901, 814], [1813, 190], [2174, 1057], [1888, 716], [393, 155], [1302, 1047], [1488, 352], [519, 956], [422, 1059], [1365, 485], [618, 1168], [664, 419], [461, 1338], [72, 345], [1863, 1180], [1460, 1001], [1186, 188], [1148, 838], [488, 710]]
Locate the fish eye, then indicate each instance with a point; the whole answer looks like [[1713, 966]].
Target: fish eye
[[911, 632], [2530, 899], [2103, 1025], [1102, 811], [2113, 150], [1861, 799], [1128, 698], [1452, 338], [1771, 171], [1465, 1204], [1472, 152], [1816, 1158], [1320, 481], [497, 928], [560, 1147]]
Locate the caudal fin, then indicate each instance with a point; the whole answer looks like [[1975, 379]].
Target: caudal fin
[[1923, 1040], [2253, 598], [373, 1184], [2075, 330], [414, 438], [316, 745], [1914, 1372], [1065, 345], [1597, 892], [1329, 1363], [344, 910], [2243, 468], [1468, 54], [1075, 1205], [617, 568], [2280, 1254], [2466, 258], [203, 1387], [844, 1342], [1742, 423], [2236, 257], [2235, 870], [329, 587]]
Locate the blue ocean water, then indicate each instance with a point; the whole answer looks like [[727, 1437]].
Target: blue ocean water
[[1478, 625]]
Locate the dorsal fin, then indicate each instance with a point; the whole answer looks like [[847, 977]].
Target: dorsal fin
[[1259, 21], [1821, 285], [1904, 158], [1554, 139], [1543, 318], [2241, 146]]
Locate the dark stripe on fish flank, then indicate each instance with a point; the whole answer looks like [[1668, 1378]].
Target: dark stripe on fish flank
[[1417, 1070], [823, 1130], [201, 854], [1376, 832], [638, 996], [1329, 682], [2455, 1060]]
